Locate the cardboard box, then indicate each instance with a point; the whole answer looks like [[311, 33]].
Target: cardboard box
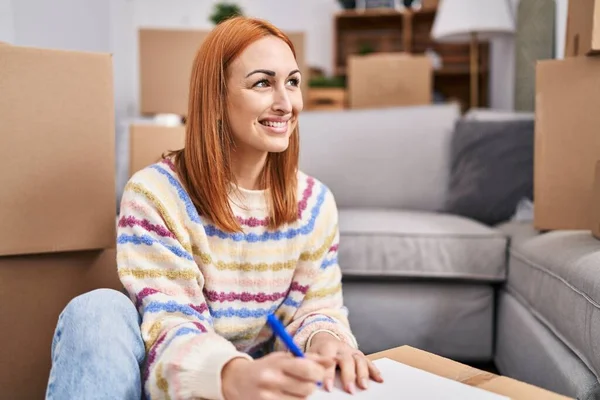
[[57, 143], [596, 203], [166, 57], [389, 79], [465, 374], [35, 289], [583, 28], [567, 141], [147, 143]]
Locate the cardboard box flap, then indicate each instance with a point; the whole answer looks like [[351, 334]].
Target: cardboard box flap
[[147, 143], [567, 143], [583, 28], [450, 369], [166, 57], [57, 145]]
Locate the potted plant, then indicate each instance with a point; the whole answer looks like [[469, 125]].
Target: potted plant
[[224, 11]]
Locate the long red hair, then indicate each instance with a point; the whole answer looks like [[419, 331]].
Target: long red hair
[[204, 164]]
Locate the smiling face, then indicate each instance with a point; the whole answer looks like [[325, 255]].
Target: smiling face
[[264, 97]]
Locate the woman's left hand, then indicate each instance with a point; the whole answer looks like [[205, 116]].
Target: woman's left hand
[[355, 368]]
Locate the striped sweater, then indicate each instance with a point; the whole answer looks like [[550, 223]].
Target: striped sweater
[[204, 294]]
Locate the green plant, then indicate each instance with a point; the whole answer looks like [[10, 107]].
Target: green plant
[[327, 82], [223, 11], [365, 49]]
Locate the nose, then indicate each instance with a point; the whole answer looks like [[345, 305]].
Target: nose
[[281, 101]]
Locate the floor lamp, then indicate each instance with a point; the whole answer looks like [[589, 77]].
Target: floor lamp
[[472, 21]]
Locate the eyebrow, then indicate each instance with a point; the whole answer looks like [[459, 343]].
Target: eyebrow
[[269, 72]]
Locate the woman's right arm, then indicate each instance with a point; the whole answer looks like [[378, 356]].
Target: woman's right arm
[[185, 357]]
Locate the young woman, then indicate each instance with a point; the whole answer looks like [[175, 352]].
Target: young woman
[[214, 238]]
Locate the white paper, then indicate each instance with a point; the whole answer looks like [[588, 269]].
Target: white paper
[[408, 383]]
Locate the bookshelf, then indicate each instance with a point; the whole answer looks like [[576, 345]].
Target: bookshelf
[[389, 30]]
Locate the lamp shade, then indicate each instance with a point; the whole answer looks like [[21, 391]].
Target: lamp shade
[[456, 20]]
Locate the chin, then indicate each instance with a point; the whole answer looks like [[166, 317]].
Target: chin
[[278, 145]]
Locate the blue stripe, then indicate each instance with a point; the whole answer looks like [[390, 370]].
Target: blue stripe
[[292, 303], [149, 241], [243, 312], [172, 307], [329, 262], [182, 332], [323, 318], [189, 206], [212, 230]]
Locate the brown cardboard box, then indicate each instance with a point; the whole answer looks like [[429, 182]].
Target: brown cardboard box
[[58, 151], [465, 374], [596, 203], [583, 28], [35, 289], [165, 63], [147, 143], [567, 141], [321, 99], [389, 79]]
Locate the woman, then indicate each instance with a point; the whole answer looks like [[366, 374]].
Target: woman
[[216, 236]]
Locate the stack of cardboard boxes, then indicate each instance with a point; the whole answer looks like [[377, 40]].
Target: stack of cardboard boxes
[[57, 200], [567, 133]]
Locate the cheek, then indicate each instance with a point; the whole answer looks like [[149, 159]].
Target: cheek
[[297, 102]]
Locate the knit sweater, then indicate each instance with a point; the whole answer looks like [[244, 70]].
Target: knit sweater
[[204, 294]]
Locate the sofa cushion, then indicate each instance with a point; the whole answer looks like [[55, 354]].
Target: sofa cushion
[[491, 169], [388, 243], [394, 157], [557, 276]]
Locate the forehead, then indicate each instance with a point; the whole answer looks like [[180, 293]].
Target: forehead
[[266, 53]]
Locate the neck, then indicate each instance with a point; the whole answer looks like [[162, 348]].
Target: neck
[[247, 168]]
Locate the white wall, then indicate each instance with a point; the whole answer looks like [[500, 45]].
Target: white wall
[[7, 32]]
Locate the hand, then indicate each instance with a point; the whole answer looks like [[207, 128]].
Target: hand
[[355, 368], [278, 375]]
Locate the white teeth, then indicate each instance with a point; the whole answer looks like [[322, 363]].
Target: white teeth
[[274, 124]]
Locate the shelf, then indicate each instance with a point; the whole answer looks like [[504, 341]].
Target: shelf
[[382, 12], [451, 71]]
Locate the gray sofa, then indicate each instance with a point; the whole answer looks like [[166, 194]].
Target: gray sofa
[[448, 284]]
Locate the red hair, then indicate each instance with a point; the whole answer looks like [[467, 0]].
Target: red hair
[[204, 164]]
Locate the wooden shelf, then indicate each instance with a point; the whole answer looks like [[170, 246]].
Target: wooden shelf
[[386, 30]]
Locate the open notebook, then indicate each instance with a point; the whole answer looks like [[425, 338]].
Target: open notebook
[[407, 383]]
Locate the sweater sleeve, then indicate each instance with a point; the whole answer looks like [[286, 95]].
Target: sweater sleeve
[[321, 308], [184, 355]]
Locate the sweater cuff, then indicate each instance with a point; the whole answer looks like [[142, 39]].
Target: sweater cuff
[[206, 383]]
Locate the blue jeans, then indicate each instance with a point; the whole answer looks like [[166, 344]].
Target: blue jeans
[[97, 349]]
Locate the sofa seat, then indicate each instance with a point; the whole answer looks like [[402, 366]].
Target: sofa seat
[[556, 276], [394, 243]]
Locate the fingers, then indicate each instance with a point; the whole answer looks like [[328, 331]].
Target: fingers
[[347, 371], [362, 371], [374, 372], [295, 388], [326, 361], [329, 353], [304, 369]]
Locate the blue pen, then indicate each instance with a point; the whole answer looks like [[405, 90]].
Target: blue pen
[[281, 333]]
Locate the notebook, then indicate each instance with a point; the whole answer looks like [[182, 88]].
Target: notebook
[[408, 383]]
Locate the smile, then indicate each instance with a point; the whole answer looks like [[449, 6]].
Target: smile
[[274, 124], [275, 127]]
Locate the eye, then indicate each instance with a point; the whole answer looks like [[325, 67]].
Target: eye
[[294, 82], [262, 83]]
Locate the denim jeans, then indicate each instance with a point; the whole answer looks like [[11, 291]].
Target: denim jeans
[[97, 349]]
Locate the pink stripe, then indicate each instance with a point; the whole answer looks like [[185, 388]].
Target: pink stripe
[[152, 355], [261, 297], [254, 222], [333, 248], [216, 280], [169, 164], [130, 221]]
